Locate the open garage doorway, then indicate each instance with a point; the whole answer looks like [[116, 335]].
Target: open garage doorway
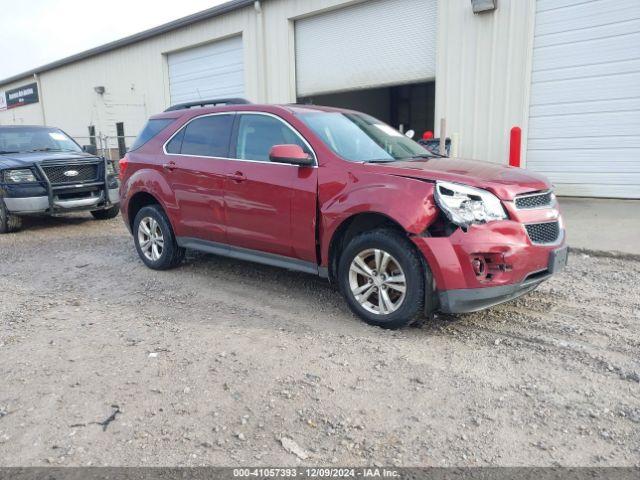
[[405, 107]]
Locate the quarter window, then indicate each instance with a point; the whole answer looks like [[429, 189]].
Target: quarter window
[[150, 130], [175, 145], [258, 133], [206, 136]]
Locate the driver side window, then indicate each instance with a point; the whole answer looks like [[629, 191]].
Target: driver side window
[[257, 134]]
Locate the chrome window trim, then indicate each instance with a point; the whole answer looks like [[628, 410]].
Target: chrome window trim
[[266, 114]]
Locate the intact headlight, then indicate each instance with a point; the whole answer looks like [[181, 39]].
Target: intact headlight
[[22, 175], [465, 205]]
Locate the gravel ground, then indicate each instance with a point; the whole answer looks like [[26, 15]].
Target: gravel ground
[[105, 362]]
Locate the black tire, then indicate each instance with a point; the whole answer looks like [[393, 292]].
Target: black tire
[[8, 223], [411, 309], [171, 255], [106, 214]]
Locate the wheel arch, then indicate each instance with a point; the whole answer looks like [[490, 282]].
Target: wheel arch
[[137, 202], [352, 226]]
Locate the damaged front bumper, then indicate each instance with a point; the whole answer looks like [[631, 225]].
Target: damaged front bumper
[[511, 265]]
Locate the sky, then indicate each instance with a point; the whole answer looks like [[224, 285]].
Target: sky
[[37, 32]]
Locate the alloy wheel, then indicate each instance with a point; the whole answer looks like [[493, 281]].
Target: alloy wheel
[[150, 238], [377, 281]]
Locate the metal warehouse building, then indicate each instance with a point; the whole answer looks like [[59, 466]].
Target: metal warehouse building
[[567, 72]]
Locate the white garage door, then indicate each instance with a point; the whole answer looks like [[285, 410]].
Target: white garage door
[[215, 70], [584, 125], [376, 43]]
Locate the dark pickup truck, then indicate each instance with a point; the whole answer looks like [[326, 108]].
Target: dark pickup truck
[[45, 172]]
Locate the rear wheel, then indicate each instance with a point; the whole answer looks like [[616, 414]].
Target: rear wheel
[[381, 277], [155, 242], [107, 213], [8, 223]]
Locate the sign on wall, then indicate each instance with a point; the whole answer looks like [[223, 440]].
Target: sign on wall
[[17, 97], [3, 101]]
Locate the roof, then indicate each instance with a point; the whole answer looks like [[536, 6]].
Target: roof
[[123, 42]]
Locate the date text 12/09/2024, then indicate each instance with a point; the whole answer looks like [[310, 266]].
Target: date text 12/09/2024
[[309, 472]]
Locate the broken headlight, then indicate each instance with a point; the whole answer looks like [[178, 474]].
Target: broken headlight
[[465, 205]]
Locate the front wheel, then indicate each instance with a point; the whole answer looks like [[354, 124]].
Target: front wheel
[[8, 223], [155, 242], [382, 279], [107, 213]]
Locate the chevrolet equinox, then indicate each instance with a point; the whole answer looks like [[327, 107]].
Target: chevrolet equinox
[[400, 231]]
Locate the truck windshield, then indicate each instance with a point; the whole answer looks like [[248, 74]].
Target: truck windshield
[[361, 138], [35, 139]]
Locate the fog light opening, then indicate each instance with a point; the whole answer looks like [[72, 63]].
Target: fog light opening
[[479, 266]]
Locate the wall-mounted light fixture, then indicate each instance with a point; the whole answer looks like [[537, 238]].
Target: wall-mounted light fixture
[[483, 6], [99, 90]]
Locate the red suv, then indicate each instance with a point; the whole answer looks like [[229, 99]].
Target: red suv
[[339, 194]]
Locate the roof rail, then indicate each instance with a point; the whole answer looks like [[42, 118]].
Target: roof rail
[[204, 103]]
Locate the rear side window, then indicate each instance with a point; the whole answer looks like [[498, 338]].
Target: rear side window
[[206, 136], [150, 130]]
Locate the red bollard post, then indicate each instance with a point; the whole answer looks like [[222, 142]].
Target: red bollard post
[[515, 146]]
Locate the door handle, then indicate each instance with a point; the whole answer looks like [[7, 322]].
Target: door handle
[[171, 166], [238, 177]]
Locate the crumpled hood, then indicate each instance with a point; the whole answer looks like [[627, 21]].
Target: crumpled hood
[[26, 159], [503, 181]]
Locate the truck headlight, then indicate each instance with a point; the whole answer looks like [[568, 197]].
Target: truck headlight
[[465, 205], [23, 175]]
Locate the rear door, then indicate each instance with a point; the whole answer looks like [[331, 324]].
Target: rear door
[[270, 207], [195, 169]]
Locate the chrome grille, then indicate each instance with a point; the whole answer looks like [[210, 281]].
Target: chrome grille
[[539, 200], [63, 174], [542, 233]]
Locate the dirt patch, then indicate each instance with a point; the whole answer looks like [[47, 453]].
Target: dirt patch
[[223, 362]]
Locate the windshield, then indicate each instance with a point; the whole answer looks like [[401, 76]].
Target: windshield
[[360, 138], [35, 139]]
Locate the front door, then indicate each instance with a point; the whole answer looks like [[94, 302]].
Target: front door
[[270, 207], [195, 169]]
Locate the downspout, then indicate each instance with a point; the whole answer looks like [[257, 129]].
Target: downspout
[[262, 52], [40, 97]]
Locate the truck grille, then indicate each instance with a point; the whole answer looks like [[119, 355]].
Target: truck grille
[[542, 233], [62, 174], [540, 200]]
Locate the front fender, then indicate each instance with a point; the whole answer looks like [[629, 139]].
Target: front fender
[[407, 202]]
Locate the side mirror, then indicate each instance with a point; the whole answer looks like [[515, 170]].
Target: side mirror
[[410, 133], [90, 149], [293, 154]]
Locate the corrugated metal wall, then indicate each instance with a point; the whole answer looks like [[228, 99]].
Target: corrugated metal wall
[[482, 71], [482, 75]]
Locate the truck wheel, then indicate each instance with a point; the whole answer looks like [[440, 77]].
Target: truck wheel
[[155, 242], [106, 214], [381, 277], [8, 223]]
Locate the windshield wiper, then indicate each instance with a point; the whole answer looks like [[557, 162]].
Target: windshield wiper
[[380, 161], [429, 155], [4, 152]]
